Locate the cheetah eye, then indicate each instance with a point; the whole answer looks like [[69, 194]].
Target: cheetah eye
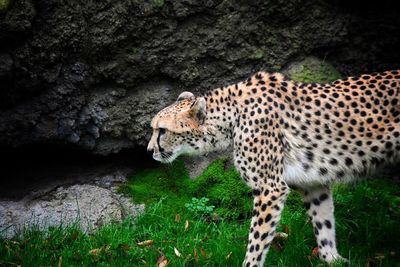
[[162, 131]]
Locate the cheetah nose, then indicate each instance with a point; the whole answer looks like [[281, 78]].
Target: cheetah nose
[[150, 150]]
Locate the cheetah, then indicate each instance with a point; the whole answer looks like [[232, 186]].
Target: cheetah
[[287, 134]]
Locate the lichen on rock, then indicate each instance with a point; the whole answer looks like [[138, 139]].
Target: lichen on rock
[[312, 70], [4, 5]]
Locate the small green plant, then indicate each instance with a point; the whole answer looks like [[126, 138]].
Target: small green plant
[[158, 3], [199, 208]]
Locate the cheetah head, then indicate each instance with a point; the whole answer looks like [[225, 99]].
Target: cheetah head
[[179, 129]]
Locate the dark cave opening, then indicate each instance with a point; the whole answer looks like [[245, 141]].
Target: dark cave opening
[[28, 168]]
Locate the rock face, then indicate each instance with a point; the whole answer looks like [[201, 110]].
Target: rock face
[[89, 205], [91, 74]]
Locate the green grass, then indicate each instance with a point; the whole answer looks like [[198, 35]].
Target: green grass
[[367, 215]]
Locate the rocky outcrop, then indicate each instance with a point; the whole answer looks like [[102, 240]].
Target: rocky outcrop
[[89, 205], [91, 74]]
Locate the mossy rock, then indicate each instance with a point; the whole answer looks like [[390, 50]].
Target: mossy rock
[[4, 5], [312, 69]]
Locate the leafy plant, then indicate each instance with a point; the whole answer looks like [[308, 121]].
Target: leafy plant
[[199, 208]]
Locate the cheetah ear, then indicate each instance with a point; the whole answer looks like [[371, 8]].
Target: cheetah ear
[[185, 95], [198, 110]]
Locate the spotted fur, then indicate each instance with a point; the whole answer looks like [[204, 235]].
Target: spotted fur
[[286, 133]]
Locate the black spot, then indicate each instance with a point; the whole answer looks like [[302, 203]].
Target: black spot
[[323, 197], [333, 161], [251, 248], [264, 207], [316, 202], [268, 217], [328, 224], [264, 235], [323, 171], [348, 161]]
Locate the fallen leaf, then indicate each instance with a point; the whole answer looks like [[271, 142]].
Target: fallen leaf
[[145, 243], [196, 255], [215, 217], [106, 249], [314, 253], [177, 217], [74, 235], [186, 225], [162, 261], [124, 247], [187, 259], [95, 252], [203, 253], [228, 256], [177, 253], [286, 229], [281, 236]]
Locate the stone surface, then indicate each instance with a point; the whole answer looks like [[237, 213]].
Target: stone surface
[[91, 74], [90, 205]]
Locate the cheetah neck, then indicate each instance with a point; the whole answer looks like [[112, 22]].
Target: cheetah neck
[[221, 117]]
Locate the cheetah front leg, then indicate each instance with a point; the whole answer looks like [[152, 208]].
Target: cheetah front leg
[[319, 205], [268, 204]]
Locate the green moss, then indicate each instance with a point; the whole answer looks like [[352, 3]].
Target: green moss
[[258, 54], [225, 190], [312, 70], [167, 181], [158, 3], [4, 5]]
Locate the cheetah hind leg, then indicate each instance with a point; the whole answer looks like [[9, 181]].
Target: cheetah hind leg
[[319, 204]]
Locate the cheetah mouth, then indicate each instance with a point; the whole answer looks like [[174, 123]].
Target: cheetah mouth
[[164, 157]]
